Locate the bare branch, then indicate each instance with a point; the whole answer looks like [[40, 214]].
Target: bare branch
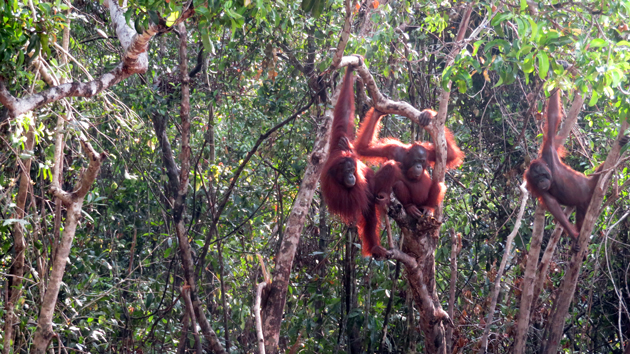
[[345, 35], [571, 118], [379, 101], [259, 330], [527, 286], [414, 275], [506, 255]]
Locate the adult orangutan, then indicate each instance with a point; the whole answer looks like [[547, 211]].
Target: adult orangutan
[[555, 183], [412, 184], [348, 185]]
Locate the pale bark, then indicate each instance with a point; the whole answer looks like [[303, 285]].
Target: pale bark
[[193, 319], [259, 330], [14, 280], [555, 327], [456, 247], [527, 286], [543, 266], [497, 281], [345, 35], [74, 201], [134, 61]]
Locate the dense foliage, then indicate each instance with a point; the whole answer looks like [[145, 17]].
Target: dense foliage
[[121, 288]]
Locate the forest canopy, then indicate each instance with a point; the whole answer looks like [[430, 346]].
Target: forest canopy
[[167, 176]]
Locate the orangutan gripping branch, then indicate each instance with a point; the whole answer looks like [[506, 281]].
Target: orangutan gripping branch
[[348, 185], [412, 184], [555, 183]]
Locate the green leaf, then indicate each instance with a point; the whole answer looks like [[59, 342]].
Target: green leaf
[[534, 27], [307, 5], [461, 86], [594, 99], [498, 82], [598, 43], [523, 27], [501, 17], [543, 64], [318, 8], [528, 63], [503, 45], [155, 18], [148, 301], [476, 47], [526, 49], [207, 44]]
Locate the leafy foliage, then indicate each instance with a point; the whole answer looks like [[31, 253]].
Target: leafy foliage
[[121, 288]]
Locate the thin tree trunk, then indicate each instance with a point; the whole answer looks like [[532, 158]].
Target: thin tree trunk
[[183, 337], [319, 304], [74, 201], [132, 250], [14, 280], [192, 317], [388, 309], [223, 299], [350, 279], [543, 266], [456, 247], [259, 331], [273, 304], [527, 287], [178, 187], [497, 282]]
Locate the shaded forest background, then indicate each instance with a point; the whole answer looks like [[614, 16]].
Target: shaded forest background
[[260, 76]]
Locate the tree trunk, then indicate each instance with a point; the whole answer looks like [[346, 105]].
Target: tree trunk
[[44, 332], [418, 257], [527, 287], [14, 280], [497, 281], [421, 245], [273, 303], [350, 281]]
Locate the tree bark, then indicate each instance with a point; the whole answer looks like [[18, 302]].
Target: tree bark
[[456, 247], [134, 61], [543, 266], [14, 280], [74, 201], [273, 303], [527, 287], [178, 187]]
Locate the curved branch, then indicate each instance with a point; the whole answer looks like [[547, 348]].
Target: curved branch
[[379, 101]]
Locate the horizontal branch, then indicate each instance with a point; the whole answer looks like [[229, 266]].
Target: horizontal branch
[[134, 61], [379, 101]]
